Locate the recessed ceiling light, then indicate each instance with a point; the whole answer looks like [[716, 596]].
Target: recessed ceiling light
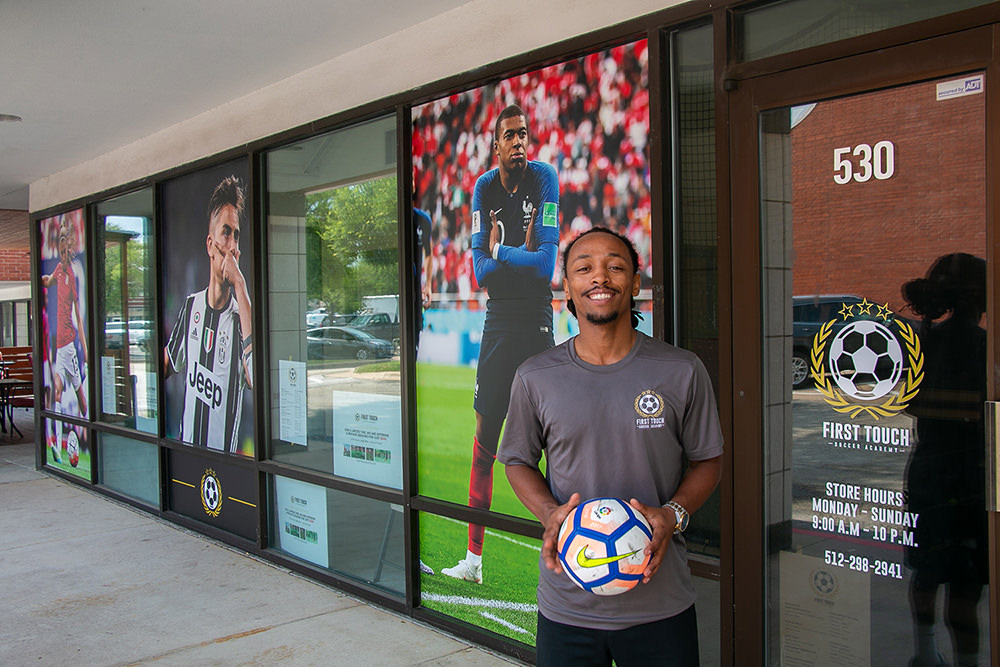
[[9, 118]]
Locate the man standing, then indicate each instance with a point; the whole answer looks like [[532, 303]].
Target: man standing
[[615, 412], [515, 239], [210, 345]]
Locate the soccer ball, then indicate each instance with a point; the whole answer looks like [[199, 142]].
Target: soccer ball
[[602, 546], [73, 448], [866, 360]]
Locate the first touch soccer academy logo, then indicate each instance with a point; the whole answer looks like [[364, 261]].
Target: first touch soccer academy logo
[[861, 368], [211, 493], [824, 583], [649, 404]]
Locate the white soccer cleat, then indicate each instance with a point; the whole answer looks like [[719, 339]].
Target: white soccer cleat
[[425, 568], [466, 571]]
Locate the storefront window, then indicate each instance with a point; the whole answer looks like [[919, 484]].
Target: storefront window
[[789, 25], [333, 261], [126, 340], [130, 467], [310, 522]]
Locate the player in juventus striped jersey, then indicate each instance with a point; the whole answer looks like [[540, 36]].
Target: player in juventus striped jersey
[[210, 345]]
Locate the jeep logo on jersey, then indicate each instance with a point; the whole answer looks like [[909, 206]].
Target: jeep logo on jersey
[[203, 384]]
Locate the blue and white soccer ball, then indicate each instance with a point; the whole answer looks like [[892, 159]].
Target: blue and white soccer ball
[[73, 448], [866, 360], [602, 546]]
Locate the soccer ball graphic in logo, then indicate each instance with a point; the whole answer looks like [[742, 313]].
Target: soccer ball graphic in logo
[[211, 493], [866, 360], [649, 404], [601, 546], [73, 448]]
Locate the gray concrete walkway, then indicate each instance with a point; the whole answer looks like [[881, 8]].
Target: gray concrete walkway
[[85, 580]]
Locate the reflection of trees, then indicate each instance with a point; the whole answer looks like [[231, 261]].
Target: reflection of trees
[[351, 243], [138, 274]]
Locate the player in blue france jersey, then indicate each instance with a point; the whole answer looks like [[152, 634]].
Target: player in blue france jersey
[[515, 240], [210, 345]]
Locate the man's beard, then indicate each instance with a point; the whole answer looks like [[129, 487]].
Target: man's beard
[[607, 318]]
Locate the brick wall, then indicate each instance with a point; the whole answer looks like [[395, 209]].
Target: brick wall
[[869, 238]]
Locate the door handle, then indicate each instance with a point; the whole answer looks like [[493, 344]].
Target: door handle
[[992, 425]]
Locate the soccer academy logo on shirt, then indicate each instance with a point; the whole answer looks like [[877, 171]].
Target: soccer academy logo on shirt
[[649, 406]]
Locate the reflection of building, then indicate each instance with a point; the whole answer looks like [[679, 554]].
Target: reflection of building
[[727, 89], [931, 165]]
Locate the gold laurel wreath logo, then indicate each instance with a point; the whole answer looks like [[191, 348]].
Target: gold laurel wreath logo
[[893, 405], [211, 511]]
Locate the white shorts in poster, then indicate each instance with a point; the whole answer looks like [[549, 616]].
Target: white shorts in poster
[[367, 438], [292, 392], [302, 526]]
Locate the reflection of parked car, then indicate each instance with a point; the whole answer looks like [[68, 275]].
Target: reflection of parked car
[[380, 325], [140, 334], [345, 343], [809, 313]]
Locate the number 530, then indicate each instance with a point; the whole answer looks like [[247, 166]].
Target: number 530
[[862, 162]]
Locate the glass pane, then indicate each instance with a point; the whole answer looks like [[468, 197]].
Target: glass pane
[[128, 381], [505, 601], [130, 467], [353, 536], [334, 287], [789, 25], [207, 251], [874, 297], [68, 448], [584, 147], [65, 349], [696, 240]]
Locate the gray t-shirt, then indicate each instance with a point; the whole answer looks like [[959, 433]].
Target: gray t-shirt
[[614, 431]]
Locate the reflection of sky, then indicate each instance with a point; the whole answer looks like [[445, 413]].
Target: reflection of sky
[[126, 223]]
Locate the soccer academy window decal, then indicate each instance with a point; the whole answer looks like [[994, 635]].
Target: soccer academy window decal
[[859, 359]]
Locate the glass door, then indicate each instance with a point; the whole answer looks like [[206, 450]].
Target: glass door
[[875, 341], [859, 411]]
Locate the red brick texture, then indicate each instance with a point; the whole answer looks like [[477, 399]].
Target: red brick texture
[[868, 238]]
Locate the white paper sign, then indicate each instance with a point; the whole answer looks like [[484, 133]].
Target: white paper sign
[[367, 438], [292, 395], [302, 526], [109, 402], [825, 613]]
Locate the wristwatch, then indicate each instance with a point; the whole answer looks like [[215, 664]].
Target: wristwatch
[[682, 516]]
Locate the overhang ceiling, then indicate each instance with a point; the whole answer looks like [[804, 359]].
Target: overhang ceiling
[[89, 77]]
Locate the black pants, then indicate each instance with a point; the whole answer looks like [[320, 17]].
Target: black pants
[[672, 642]]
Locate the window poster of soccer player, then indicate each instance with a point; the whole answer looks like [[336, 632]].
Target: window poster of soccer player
[[65, 349], [206, 312], [508, 174]]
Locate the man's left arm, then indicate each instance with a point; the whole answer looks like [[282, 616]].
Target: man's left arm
[[696, 486]]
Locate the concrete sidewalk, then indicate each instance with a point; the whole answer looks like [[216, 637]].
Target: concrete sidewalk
[[85, 580]]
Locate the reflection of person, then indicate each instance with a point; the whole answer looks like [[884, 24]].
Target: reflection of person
[[69, 330], [945, 478], [210, 345], [615, 412], [515, 238]]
